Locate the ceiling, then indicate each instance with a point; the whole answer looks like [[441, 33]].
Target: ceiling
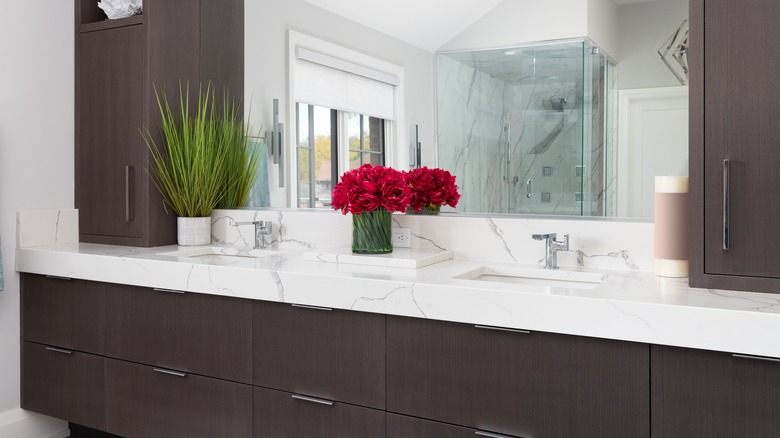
[[427, 24]]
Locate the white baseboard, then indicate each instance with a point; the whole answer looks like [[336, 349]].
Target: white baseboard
[[18, 423]]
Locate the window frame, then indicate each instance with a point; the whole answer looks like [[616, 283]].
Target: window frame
[[394, 130]]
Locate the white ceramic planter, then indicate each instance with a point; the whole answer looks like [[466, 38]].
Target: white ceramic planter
[[194, 231]]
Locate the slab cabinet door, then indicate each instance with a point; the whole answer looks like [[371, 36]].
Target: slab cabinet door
[[286, 415], [713, 394], [735, 158], [149, 402], [517, 383], [331, 354]]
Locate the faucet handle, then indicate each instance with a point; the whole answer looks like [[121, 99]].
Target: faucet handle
[[266, 227], [545, 236], [566, 242]]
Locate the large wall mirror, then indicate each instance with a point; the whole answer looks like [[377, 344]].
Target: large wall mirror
[[532, 113]]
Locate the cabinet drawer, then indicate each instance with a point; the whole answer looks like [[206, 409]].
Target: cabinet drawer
[[278, 414], [521, 384], [64, 313], [142, 402], [332, 354], [195, 333], [713, 394], [63, 384], [401, 426]]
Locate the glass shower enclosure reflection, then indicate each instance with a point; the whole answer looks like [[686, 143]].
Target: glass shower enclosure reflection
[[529, 129]]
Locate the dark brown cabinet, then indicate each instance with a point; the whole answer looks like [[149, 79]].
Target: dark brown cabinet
[[63, 383], [285, 415], [332, 354], [713, 394], [195, 333], [401, 426], [734, 175], [517, 383], [63, 313], [149, 402], [118, 64]]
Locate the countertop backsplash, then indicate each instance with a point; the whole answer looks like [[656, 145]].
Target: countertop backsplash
[[607, 244]]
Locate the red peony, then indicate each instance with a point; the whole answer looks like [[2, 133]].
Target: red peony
[[431, 188], [370, 187]]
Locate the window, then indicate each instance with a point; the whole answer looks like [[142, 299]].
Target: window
[[330, 142], [347, 112]]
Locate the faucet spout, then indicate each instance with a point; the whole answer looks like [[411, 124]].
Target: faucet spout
[[551, 248], [262, 229]]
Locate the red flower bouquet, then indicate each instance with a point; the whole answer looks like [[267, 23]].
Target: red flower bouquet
[[432, 188], [371, 194], [370, 187]]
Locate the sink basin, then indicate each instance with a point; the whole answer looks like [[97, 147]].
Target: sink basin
[[218, 253], [534, 277]]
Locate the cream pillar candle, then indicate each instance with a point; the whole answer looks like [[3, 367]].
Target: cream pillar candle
[[671, 226]]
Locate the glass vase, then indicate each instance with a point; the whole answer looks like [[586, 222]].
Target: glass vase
[[371, 232]]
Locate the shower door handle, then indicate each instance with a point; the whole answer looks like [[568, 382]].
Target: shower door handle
[[528, 189]]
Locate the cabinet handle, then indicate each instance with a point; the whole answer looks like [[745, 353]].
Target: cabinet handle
[[56, 277], [312, 399], [303, 306], [170, 291], [490, 435], [59, 350], [726, 202], [747, 356], [129, 183], [169, 372], [501, 329]]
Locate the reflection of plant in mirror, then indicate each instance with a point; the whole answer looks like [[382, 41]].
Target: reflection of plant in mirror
[[241, 159]]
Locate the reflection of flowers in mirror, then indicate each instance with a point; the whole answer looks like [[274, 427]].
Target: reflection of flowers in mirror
[[120, 8]]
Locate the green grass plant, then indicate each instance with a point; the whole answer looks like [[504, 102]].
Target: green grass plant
[[205, 160]]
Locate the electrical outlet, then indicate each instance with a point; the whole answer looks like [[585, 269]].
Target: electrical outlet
[[402, 237]]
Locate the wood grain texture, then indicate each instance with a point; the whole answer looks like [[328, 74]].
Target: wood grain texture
[[143, 403], [337, 355], [65, 386], [530, 385], [63, 313], [733, 115], [279, 415], [401, 426], [195, 333], [713, 394]]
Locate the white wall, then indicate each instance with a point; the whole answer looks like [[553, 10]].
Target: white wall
[[643, 28], [36, 150], [265, 77], [519, 21]]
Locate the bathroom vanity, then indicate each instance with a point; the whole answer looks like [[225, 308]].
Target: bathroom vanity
[[138, 342]]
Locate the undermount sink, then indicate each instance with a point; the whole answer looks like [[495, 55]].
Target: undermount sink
[[217, 253], [534, 277]]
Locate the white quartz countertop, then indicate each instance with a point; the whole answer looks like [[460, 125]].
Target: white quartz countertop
[[628, 305]]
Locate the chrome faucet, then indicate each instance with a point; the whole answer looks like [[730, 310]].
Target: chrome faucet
[[262, 229], [551, 248]]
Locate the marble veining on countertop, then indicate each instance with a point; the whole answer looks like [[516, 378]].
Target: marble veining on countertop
[[629, 305]]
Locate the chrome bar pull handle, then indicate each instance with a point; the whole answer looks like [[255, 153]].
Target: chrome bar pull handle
[[59, 350], [501, 329], [747, 356], [171, 291], [129, 182], [312, 399], [169, 372], [304, 306], [489, 435], [57, 277], [528, 189], [726, 202]]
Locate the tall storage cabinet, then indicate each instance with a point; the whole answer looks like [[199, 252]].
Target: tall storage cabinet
[[118, 64], [735, 159]]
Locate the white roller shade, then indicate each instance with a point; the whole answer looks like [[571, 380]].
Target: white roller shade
[[330, 82]]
